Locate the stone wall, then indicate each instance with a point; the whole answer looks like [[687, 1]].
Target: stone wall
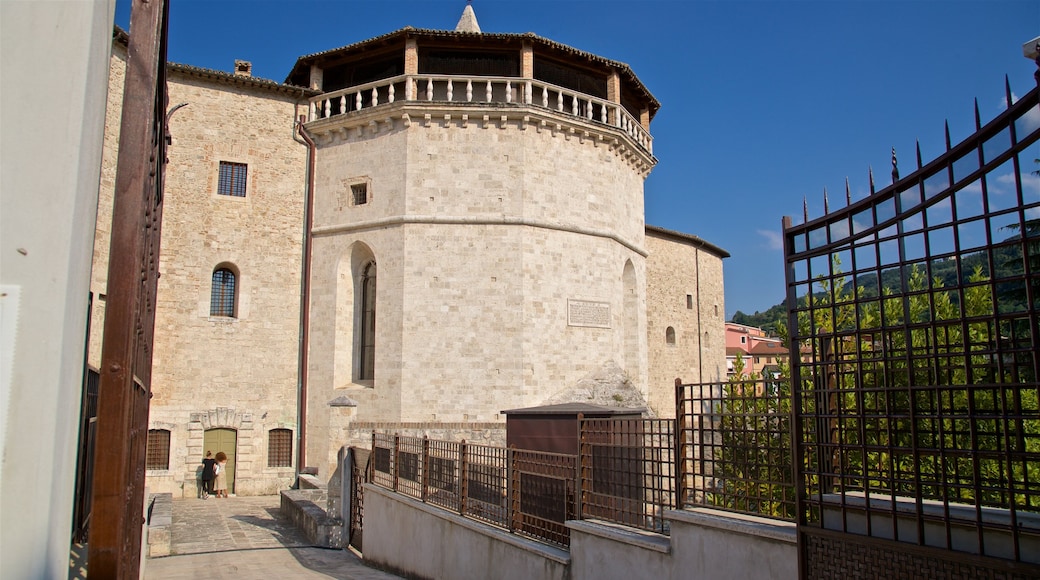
[[489, 238], [204, 365], [684, 293], [513, 268]]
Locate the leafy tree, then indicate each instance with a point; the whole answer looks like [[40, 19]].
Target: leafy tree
[[912, 381], [752, 462]]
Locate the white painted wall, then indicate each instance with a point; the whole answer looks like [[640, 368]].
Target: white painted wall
[[416, 539], [54, 57]]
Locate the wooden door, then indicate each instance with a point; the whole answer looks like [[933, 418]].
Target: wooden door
[[226, 440]]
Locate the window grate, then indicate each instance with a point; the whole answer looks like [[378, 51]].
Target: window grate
[[232, 179], [222, 294], [279, 448], [157, 455], [359, 191]]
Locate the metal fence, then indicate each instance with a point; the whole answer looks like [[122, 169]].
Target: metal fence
[[626, 475], [918, 414], [734, 445], [628, 471]]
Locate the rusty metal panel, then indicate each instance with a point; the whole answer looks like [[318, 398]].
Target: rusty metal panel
[[556, 428], [118, 490]]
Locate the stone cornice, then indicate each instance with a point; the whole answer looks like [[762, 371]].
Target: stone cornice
[[395, 221], [499, 115]]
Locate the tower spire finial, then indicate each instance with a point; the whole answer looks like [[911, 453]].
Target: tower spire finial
[[468, 21]]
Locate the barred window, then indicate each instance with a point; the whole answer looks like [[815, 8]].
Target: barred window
[[157, 455], [279, 448], [222, 294], [359, 191], [232, 180]]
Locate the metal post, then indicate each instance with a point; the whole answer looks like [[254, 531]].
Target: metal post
[[680, 444], [425, 467], [395, 465], [513, 491], [463, 477], [579, 469]]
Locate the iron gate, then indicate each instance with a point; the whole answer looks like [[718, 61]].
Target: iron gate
[[917, 418]]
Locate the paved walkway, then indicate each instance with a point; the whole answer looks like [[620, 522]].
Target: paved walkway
[[246, 537]]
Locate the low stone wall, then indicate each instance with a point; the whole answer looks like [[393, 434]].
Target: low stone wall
[[306, 481], [160, 517], [704, 544], [417, 540], [305, 508]]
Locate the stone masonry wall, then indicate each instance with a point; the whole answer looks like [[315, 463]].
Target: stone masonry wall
[[677, 270], [213, 372], [483, 233]]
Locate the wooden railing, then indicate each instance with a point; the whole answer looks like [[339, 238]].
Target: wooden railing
[[498, 90]]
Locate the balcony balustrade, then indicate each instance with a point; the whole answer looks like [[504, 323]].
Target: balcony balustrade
[[489, 90]]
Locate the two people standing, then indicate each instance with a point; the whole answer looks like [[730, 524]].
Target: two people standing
[[214, 476]]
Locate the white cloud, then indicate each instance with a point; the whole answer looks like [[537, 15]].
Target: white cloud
[[774, 240], [1030, 184]]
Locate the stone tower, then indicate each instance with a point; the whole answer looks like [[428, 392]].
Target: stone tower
[[478, 241]]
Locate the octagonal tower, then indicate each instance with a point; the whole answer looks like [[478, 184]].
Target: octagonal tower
[[478, 234]]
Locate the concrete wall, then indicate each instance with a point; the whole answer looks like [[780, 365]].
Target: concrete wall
[[419, 540], [54, 57]]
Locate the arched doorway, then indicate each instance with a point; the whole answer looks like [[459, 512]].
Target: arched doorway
[[225, 440]]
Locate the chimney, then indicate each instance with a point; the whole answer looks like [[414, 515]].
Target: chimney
[[243, 68]]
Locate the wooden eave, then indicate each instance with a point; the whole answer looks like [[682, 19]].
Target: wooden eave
[[300, 73]]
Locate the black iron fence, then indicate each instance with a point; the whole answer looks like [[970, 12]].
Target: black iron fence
[[625, 473], [734, 444], [917, 417]]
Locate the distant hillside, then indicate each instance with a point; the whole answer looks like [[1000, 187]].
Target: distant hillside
[[1007, 264], [765, 320]]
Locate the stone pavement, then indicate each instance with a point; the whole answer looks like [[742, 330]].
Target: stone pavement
[[246, 537]]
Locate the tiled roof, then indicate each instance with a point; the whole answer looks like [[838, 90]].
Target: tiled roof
[[692, 239], [240, 80], [769, 348], [120, 37], [408, 31]]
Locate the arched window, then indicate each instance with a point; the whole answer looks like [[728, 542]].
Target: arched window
[[157, 454], [367, 324], [222, 294], [669, 335], [279, 448]]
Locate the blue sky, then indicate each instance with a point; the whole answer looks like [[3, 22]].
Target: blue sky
[[762, 103]]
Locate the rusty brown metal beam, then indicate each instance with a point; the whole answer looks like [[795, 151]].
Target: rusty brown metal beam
[[118, 492]]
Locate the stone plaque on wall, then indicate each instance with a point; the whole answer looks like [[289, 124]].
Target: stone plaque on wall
[[586, 313]]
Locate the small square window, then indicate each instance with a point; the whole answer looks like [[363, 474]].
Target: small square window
[[232, 179], [359, 192], [157, 454]]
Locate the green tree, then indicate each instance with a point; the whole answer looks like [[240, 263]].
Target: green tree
[[752, 464]]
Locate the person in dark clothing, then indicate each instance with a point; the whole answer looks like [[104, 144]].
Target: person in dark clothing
[[208, 474]]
